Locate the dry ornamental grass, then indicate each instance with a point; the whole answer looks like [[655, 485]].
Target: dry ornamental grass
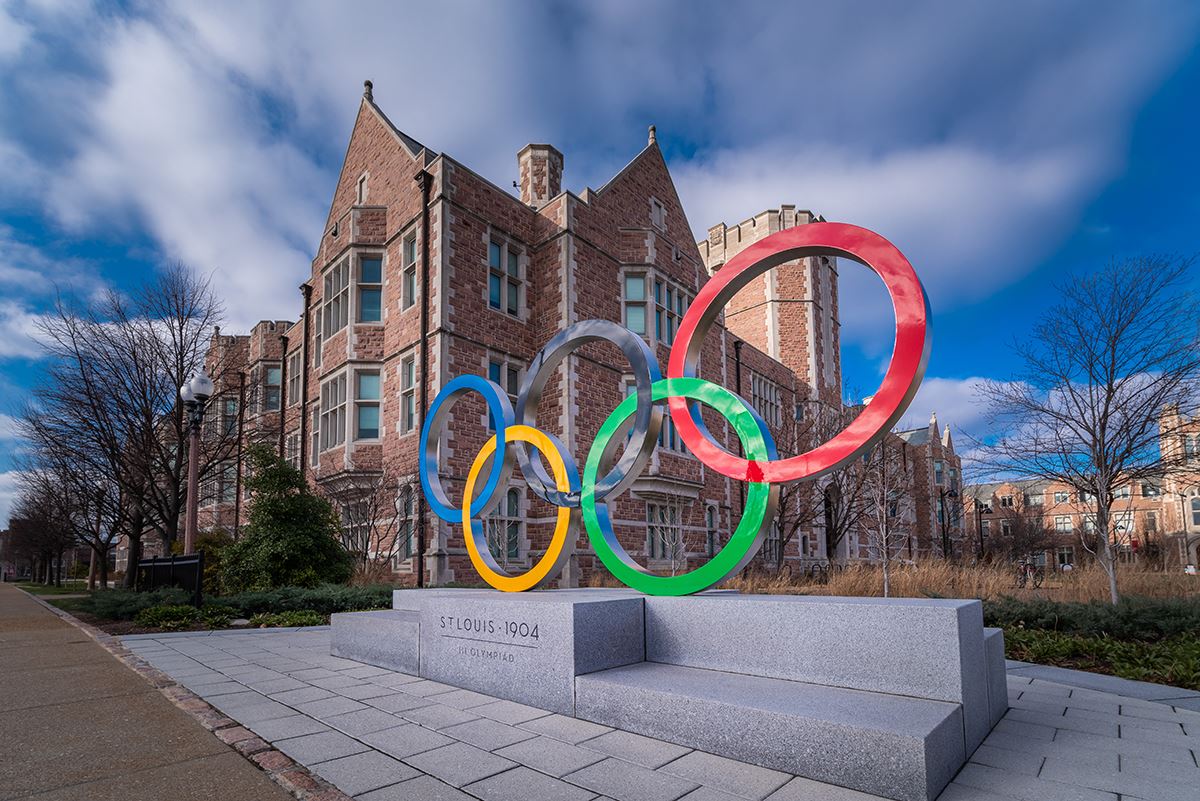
[[939, 579]]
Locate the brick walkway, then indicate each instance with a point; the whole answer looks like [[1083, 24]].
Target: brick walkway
[[385, 736], [75, 723]]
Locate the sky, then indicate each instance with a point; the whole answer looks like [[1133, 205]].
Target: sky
[[1003, 147]]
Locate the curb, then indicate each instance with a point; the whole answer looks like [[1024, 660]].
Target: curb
[[1179, 698], [291, 776]]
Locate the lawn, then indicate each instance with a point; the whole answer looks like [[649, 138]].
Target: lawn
[[1174, 661], [69, 587]]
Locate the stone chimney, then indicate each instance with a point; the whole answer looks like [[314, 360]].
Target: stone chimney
[[540, 169]]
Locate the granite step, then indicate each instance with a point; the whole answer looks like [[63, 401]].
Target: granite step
[[890, 745], [931, 648], [389, 638]]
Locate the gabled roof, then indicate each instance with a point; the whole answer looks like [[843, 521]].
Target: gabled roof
[[414, 148], [915, 436]]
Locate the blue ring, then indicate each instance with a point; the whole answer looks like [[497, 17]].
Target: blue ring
[[501, 412]]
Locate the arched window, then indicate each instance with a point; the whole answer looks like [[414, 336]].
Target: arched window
[[1195, 511], [833, 537], [406, 525], [712, 521], [504, 528]]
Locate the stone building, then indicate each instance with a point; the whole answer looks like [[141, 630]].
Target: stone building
[[937, 491], [426, 270], [996, 512], [1155, 519]]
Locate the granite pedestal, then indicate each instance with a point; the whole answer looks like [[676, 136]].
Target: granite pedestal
[[887, 696], [387, 639]]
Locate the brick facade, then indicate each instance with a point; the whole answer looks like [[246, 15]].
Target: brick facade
[[506, 273], [1156, 519]]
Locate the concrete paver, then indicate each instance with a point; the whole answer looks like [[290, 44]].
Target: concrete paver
[[459, 764], [550, 756], [361, 773], [1059, 741], [425, 788], [309, 749], [438, 716], [738, 778], [625, 781], [406, 740], [487, 734], [523, 784], [635, 748]]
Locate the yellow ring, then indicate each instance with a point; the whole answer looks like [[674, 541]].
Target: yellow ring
[[493, 575]]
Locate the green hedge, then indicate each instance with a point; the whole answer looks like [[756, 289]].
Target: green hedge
[[126, 604], [323, 600], [168, 617], [296, 618], [1133, 619], [1174, 660]]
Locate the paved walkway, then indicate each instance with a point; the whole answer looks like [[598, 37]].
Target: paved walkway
[[384, 736], [77, 724]]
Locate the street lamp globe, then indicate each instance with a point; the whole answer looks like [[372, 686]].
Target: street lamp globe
[[185, 392], [202, 386]]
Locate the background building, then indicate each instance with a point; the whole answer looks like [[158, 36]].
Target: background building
[[1156, 518], [426, 271]]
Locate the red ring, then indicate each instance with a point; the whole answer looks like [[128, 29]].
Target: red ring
[[909, 356]]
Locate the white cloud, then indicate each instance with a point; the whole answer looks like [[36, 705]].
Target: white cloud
[[956, 402], [972, 136], [956, 212], [18, 332], [178, 146], [8, 428], [14, 34]]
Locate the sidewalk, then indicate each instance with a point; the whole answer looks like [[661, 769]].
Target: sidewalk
[[378, 735], [77, 724]]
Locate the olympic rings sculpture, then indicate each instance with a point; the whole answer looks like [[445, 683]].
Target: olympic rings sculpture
[[605, 475]]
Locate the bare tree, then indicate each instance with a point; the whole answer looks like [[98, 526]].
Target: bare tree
[[666, 537], [801, 503], [1018, 531], [1097, 373], [108, 404], [835, 503], [378, 516], [85, 505], [39, 533], [891, 506]]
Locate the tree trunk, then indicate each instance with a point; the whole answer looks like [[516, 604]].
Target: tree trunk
[[92, 571], [134, 556], [1108, 557], [103, 559], [886, 583]]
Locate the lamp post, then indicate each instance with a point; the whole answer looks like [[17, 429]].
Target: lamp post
[[980, 510], [195, 394], [947, 548]]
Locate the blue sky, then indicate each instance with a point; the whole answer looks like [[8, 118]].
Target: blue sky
[[1002, 147]]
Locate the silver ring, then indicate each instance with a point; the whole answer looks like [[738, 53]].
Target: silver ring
[[644, 435]]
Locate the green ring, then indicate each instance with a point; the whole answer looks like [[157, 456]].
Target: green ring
[[760, 497]]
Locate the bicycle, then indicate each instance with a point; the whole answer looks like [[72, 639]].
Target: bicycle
[[1027, 572]]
